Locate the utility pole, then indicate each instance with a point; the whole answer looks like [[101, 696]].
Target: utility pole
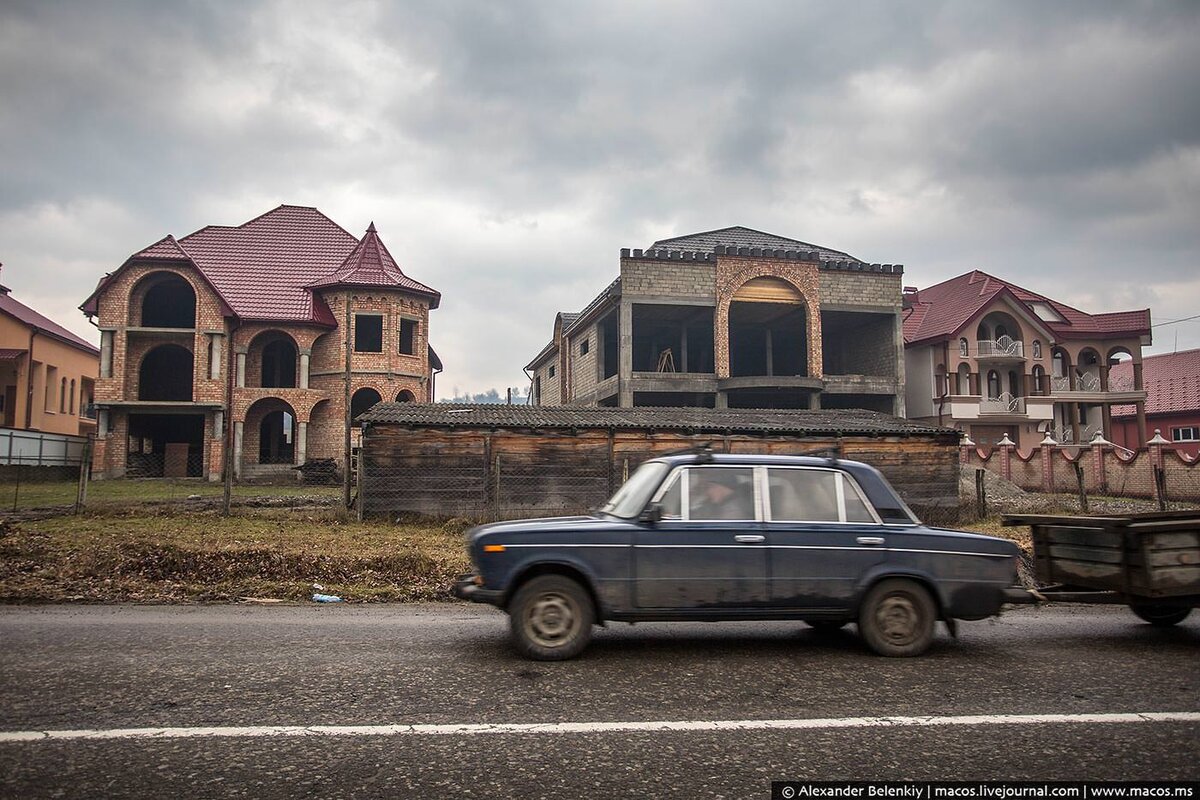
[[346, 476]]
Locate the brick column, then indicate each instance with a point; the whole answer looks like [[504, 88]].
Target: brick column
[[1098, 466], [1006, 449], [1046, 451]]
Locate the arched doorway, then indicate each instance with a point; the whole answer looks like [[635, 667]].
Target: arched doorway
[[277, 437], [278, 360], [166, 374]]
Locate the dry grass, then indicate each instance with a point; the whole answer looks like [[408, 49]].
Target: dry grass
[[140, 555]]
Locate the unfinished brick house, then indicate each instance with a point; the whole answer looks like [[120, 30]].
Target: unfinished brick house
[[732, 318], [992, 358], [270, 326]]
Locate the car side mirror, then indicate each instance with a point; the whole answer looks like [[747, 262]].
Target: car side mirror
[[652, 513]]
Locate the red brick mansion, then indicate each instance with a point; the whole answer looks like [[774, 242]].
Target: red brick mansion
[[283, 327]]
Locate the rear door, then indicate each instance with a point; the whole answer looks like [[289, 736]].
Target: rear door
[[709, 549], [823, 536]]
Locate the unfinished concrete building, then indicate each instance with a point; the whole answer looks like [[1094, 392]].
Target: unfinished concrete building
[[265, 336], [732, 318]]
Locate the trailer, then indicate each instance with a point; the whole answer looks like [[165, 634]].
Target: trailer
[[1150, 562]]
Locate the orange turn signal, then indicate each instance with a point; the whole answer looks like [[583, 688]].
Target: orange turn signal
[[493, 548]]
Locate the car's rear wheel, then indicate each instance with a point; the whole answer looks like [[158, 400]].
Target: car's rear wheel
[[1159, 615], [551, 618], [897, 618]]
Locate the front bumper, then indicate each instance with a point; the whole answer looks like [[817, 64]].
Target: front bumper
[[465, 588]]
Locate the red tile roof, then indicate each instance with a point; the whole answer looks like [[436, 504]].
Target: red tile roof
[[370, 264], [941, 311], [27, 315], [1172, 383], [263, 269]]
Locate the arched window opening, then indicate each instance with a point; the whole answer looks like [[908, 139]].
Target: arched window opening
[[62, 397], [276, 443], [362, 401], [964, 347], [1014, 383], [1039, 380], [169, 302], [166, 374], [279, 358], [964, 379], [71, 398], [405, 396], [1037, 348]]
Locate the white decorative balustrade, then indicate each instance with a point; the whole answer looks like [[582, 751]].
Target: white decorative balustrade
[[1004, 346], [1004, 404]]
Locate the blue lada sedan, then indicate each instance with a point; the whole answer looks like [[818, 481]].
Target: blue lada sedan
[[739, 537]]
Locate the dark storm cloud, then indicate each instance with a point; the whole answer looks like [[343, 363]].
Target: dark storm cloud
[[507, 150]]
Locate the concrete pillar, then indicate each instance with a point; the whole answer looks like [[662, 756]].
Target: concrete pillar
[[898, 360], [1137, 385], [1104, 382], [304, 359], [241, 370], [216, 347], [218, 424], [106, 354], [814, 401], [1141, 419], [102, 423], [1107, 424], [722, 400], [770, 354], [237, 449], [625, 350], [301, 445]]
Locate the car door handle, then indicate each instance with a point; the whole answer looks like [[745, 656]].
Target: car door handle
[[749, 538], [875, 540]]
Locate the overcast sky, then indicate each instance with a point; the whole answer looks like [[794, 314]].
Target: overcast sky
[[506, 151]]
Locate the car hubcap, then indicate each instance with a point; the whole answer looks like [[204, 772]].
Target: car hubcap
[[898, 619], [551, 619]]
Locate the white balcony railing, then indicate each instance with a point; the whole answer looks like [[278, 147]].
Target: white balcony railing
[[1004, 404], [1084, 382], [1004, 346], [1065, 435]]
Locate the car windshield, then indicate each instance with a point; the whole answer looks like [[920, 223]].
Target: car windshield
[[631, 498]]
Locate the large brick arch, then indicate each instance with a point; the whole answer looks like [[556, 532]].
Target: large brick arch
[[152, 278], [735, 272]]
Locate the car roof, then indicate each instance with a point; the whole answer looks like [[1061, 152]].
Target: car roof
[[751, 459]]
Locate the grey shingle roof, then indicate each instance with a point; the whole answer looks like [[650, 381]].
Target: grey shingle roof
[[739, 236], [694, 420]]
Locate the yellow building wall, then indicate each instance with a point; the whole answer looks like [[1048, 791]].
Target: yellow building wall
[[45, 408]]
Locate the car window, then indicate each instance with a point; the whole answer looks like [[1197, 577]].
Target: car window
[[856, 507], [803, 495], [671, 498], [720, 493]]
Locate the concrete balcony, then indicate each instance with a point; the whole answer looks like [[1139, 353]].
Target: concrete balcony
[[1004, 404]]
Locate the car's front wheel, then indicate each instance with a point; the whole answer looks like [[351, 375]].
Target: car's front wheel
[[897, 618], [551, 618]]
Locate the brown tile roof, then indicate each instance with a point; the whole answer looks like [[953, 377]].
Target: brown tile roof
[[262, 269], [28, 316], [941, 311], [697, 420], [1172, 382]]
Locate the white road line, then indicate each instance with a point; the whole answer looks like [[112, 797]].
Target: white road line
[[470, 729]]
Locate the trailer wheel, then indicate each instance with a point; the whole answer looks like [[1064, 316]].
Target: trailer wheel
[[897, 617], [1159, 615]]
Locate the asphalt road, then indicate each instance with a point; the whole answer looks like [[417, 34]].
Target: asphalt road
[[117, 668]]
